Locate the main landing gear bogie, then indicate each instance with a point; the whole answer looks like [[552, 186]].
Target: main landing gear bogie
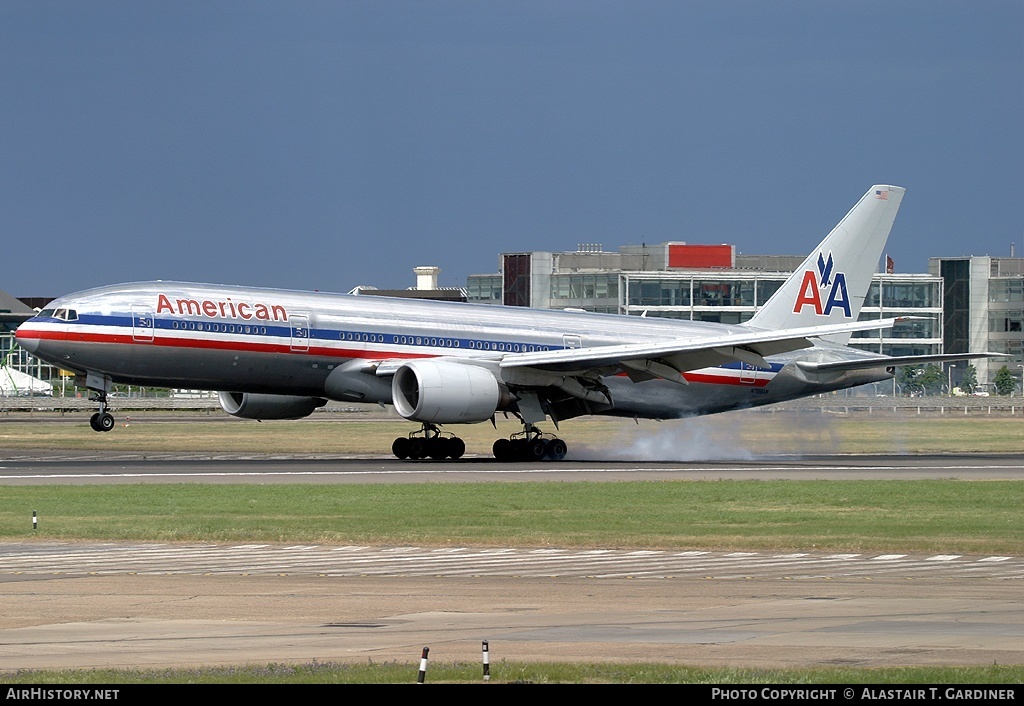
[[429, 442], [529, 445]]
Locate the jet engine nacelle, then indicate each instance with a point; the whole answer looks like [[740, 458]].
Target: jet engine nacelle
[[445, 392], [256, 406]]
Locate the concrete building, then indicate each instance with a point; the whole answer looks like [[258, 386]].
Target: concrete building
[[983, 309], [700, 282]]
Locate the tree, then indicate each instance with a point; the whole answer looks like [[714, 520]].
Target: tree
[[932, 379], [1005, 381], [906, 377], [969, 380], [923, 381]]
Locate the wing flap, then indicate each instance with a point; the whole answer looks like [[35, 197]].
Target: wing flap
[[652, 369]]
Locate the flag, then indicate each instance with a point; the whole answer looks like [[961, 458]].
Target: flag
[[890, 265], [879, 194]]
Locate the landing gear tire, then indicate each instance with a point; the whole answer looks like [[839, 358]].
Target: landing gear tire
[[536, 449], [101, 421], [456, 447], [557, 449], [437, 449], [417, 448], [503, 450], [401, 448]]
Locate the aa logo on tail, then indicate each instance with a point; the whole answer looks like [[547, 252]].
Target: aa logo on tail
[[815, 283]]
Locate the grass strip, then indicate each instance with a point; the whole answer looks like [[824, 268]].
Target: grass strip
[[850, 515], [738, 435]]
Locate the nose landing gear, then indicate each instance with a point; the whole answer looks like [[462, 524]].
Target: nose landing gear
[[102, 420], [101, 385]]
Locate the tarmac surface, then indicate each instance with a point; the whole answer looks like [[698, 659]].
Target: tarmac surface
[[86, 604], [28, 467]]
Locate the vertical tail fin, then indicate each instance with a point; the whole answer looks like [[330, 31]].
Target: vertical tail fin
[[832, 283]]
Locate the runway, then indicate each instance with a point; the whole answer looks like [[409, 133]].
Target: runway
[[132, 604], [40, 468]]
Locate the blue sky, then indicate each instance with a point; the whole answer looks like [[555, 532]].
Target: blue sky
[[321, 145]]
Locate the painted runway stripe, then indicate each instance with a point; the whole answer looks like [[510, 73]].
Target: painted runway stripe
[[261, 559]]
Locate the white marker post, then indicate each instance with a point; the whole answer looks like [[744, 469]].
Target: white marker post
[[487, 662], [423, 666]]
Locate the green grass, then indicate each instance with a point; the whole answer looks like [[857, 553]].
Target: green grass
[[912, 515]]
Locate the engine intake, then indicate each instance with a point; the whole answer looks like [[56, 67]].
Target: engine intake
[[257, 406], [445, 392]]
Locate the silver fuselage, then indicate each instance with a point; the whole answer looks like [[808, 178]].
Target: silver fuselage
[[241, 339]]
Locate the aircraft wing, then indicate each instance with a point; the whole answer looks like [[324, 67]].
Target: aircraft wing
[[890, 361], [668, 359]]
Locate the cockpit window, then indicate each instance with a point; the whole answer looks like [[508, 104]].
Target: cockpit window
[[62, 314], [45, 313]]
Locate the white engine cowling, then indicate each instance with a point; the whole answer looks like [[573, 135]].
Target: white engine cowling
[[257, 406], [445, 392]]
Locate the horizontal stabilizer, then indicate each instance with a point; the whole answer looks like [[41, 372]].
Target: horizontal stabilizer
[[890, 361]]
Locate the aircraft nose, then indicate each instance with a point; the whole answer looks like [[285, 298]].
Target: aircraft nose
[[26, 339]]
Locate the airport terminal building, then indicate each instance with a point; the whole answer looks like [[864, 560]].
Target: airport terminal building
[[983, 309], [700, 283], [970, 304]]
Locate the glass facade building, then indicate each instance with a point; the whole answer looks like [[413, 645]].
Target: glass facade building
[[984, 310], [638, 280]]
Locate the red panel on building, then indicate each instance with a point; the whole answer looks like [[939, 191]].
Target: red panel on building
[[700, 256]]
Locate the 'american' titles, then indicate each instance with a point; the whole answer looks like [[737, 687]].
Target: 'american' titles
[[228, 308]]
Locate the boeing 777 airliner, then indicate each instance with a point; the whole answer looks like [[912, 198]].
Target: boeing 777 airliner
[[275, 354]]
